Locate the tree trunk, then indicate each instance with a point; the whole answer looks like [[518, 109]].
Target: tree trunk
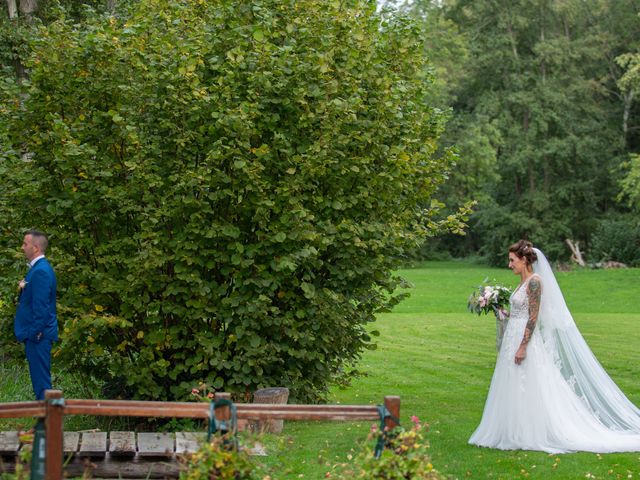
[[28, 8], [512, 39], [277, 395], [111, 5], [547, 174], [21, 73], [567, 33], [532, 176], [13, 9], [543, 66], [514, 45], [530, 167], [628, 100]]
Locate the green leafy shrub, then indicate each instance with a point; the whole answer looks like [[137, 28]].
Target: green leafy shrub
[[406, 457], [228, 187], [11, 259], [618, 239], [631, 182], [215, 461]]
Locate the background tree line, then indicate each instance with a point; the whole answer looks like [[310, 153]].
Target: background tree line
[[543, 99]]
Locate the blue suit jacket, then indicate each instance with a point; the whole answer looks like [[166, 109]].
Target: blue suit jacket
[[36, 317]]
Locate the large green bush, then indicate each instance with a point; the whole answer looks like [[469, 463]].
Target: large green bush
[[617, 238], [228, 187]]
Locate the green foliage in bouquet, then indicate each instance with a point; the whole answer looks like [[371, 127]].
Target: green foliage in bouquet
[[228, 187]]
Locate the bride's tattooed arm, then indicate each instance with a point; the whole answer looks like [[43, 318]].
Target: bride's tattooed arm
[[534, 289]]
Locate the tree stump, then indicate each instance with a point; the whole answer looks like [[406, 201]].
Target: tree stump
[[275, 395]]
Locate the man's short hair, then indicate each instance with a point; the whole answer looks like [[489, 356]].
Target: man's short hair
[[39, 238]]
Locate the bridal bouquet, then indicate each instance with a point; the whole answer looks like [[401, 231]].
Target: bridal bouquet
[[489, 298]]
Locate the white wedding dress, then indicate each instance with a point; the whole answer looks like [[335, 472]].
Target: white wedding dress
[[559, 399]]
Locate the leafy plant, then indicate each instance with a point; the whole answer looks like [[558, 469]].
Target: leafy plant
[[406, 457], [631, 182], [617, 238], [228, 187], [214, 461]]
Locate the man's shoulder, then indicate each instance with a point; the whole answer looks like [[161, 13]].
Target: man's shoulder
[[42, 265]]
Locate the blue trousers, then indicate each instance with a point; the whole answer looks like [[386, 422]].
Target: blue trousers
[[39, 359]]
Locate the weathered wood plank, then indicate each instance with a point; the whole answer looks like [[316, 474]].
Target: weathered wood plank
[[10, 410], [315, 414], [136, 408], [155, 444], [93, 444], [122, 444], [189, 442], [9, 443], [113, 468], [135, 467], [70, 442], [200, 410]]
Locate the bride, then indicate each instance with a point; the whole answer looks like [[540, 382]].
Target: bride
[[548, 391]]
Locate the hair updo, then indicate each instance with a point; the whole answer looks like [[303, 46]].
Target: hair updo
[[524, 249]]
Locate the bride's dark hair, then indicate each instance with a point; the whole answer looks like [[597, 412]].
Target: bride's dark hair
[[524, 249]]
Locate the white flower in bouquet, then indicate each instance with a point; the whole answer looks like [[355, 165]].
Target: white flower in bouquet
[[489, 298]]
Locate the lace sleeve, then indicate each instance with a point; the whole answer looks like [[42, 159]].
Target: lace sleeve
[[534, 291]]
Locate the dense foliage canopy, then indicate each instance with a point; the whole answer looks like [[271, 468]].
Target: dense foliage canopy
[[228, 186]]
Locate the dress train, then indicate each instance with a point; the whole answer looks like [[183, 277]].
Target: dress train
[[559, 399]]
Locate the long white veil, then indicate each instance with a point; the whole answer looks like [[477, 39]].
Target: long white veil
[[574, 358]]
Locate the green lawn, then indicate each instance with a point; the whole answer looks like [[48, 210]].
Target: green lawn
[[439, 359]]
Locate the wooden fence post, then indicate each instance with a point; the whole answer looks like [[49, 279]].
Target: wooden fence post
[[223, 413], [54, 415], [392, 404]]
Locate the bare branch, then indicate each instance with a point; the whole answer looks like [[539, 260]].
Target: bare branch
[[576, 254]]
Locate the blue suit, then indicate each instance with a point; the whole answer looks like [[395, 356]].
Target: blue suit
[[36, 323]]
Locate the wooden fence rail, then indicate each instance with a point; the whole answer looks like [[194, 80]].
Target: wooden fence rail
[[54, 408]]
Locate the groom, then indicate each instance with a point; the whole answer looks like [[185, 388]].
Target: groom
[[36, 322]]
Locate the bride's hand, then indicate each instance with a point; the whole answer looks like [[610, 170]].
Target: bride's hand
[[521, 354]]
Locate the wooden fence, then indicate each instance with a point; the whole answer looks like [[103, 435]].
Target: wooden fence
[[54, 408]]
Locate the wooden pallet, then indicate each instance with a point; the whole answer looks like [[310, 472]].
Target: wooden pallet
[[114, 454]]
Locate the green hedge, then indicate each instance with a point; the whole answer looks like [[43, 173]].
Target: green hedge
[[617, 239]]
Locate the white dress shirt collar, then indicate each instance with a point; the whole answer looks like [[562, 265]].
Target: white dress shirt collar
[[33, 262]]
